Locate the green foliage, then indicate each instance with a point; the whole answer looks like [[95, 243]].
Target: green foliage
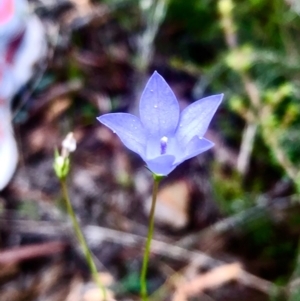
[[194, 33], [229, 191], [262, 69], [131, 283]]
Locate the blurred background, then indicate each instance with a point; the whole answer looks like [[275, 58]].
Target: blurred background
[[227, 223]]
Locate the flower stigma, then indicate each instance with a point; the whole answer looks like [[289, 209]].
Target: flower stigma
[[163, 145]]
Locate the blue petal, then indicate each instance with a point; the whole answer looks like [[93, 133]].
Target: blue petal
[[194, 119], [161, 165], [195, 147], [129, 129], [159, 109]]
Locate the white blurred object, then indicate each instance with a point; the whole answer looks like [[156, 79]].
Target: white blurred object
[[8, 145], [22, 45], [31, 50], [13, 15], [25, 44], [8, 148]]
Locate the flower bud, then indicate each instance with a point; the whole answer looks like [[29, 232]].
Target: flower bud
[[62, 161], [61, 166], [68, 145]]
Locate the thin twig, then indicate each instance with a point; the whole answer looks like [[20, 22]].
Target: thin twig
[[265, 207], [18, 254]]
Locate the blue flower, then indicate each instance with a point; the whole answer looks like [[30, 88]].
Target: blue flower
[[163, 136]]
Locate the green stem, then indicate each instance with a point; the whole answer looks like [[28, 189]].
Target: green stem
[[143, 280], [87, 253]]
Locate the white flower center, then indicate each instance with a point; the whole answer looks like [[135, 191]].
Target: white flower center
[[163, 145]]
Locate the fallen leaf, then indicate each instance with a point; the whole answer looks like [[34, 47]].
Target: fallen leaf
[[172, 204]]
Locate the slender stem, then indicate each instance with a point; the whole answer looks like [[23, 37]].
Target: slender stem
[[143, 280], [87, 253]]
